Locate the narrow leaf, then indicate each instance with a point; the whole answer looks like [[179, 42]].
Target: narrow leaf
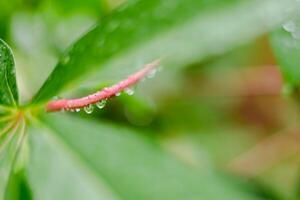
[[180, 32], [8, 85], [9, 145], [286, 46], [73, 158]]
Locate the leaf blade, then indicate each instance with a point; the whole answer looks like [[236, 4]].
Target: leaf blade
[[128, 165], [181, 32], [9, 147], [286, 47], [8, 84]]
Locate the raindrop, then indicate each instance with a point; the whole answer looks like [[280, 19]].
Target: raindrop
[[113, 25], [66, 59], [13, 72], [101, 43], [101, 104], [152, 73], [289, 26], [128, 24], [89, 109], [118, 94], [55, 98], [159, 68], [129, 91]]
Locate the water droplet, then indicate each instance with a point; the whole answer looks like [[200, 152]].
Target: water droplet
[[113, 25], [129, 91], [77, 109], [128, 24], [89, 109], [55, 98], [289, 26], [152, 73], [101, 104], [66, 59], [159, 68], [13, 72], [118, 94], [101, 43]]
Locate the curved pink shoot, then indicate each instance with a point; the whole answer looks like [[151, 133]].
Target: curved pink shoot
[[106, 93]]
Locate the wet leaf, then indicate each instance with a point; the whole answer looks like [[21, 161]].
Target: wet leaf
[[8, 85], [180, 32]]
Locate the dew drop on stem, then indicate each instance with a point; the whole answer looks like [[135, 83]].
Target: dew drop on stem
[[129, 91], [55, 98], [89, 109], [101, 104], [152, 73]]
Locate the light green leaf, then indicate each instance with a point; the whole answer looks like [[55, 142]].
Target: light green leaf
[[74, 158], [8, 85], [10, 141], [180, 32], [286, 46]]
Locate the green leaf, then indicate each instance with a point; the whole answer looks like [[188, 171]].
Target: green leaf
[[286, 46], [74, 158], [18, 187], [10, 141], [6, 160], [180, 32], [95, 7], [8, 85]]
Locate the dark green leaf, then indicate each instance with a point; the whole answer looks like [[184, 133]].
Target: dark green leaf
[[8, 85], [73, 158], [18, 188], [180, 32], [69, 6]]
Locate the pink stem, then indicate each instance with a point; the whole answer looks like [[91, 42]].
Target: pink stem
[[70, 104]]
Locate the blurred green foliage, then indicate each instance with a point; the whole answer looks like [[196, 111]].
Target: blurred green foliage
[[213, 124]]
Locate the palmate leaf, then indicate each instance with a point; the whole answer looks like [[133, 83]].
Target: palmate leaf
[[74, 158], [9, 130], [8, 86], [180, 32]]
